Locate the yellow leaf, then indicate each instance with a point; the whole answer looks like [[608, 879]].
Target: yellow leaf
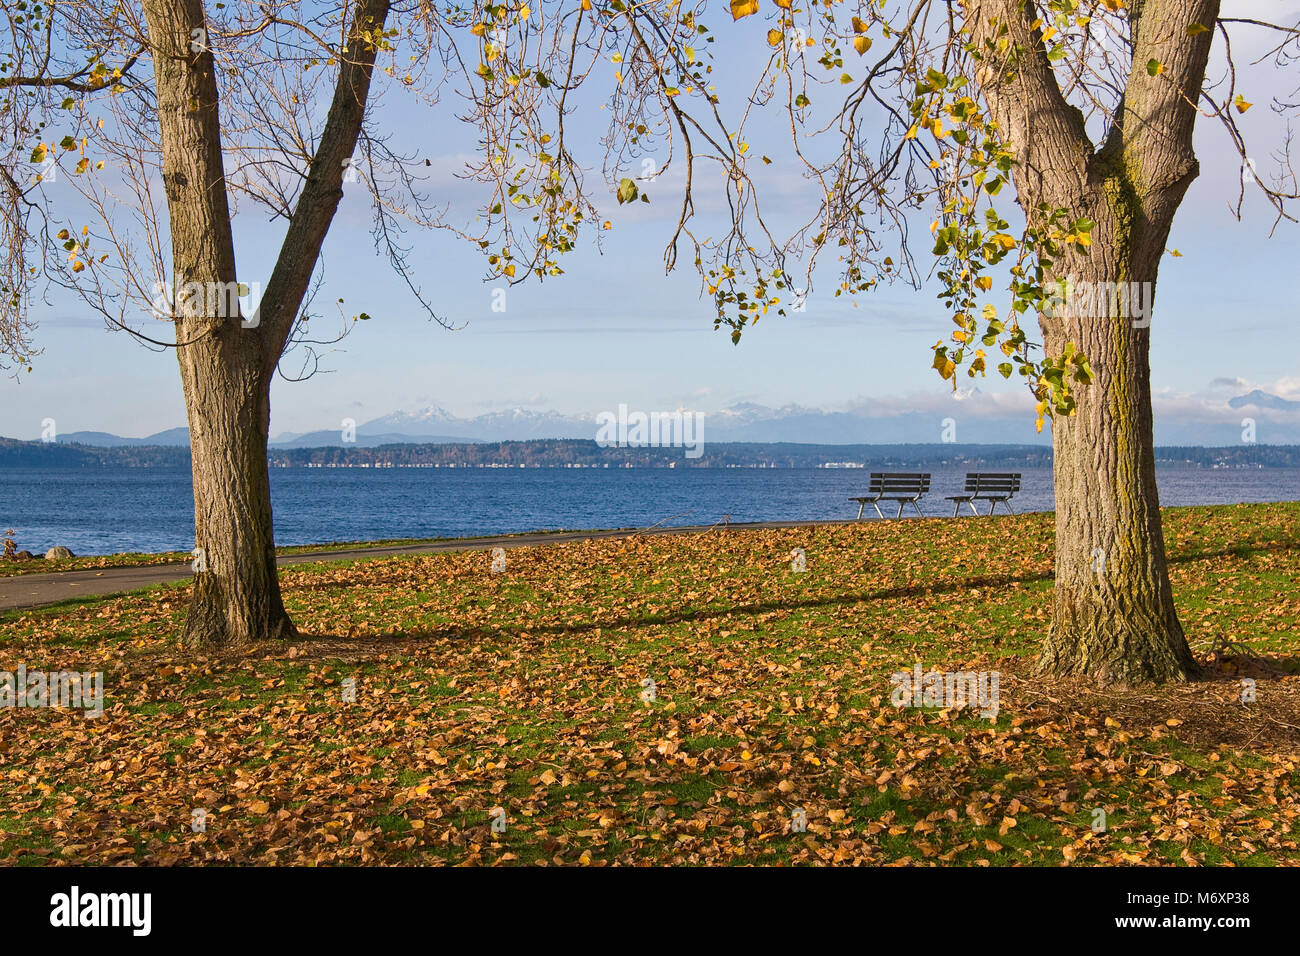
[[1114, 6], [774, 37], [783, 4], [861, 44], [743, 8], [859, 26], [548, 777]]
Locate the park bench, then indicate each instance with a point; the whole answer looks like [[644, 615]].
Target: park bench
[[894, 486], [990, 486]]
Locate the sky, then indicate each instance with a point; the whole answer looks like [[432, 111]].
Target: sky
[[615, 330]]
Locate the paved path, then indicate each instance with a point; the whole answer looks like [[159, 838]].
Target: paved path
[[33, 590]]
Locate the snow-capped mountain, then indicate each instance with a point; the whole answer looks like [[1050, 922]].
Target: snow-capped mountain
[[967, 417]]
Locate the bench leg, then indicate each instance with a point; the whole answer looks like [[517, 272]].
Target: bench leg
[[900, 510], [956, 507], [879, 513], [918, 508], [1008, 504], [973, 509], [861, 505]]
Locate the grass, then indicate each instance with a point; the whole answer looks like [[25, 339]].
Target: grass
[[523, 691]]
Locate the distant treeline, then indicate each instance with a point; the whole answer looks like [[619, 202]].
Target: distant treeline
[[35, 454], [561, 453]]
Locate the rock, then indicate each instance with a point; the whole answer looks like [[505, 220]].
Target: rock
[[23, 556], [58, 551]]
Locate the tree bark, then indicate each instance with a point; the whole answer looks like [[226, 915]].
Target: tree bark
[[227, 360], [1114, 617]]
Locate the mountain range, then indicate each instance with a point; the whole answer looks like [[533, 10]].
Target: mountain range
[[975, 418]]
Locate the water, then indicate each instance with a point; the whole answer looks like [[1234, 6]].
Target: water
[[108, 510]]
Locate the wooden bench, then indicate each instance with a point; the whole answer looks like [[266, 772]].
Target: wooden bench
[[894, 486], [990, 486]]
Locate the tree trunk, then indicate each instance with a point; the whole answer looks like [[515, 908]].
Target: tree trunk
[[1114, 618], [236, 595], [226, 359], [1114, 615]]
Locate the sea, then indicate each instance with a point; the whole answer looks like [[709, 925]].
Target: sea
[[109, 510]]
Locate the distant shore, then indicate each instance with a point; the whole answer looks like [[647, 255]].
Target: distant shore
[[575, 454]]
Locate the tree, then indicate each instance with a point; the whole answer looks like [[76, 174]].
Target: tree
[[1087, 109], [232, 106], [266, 102]]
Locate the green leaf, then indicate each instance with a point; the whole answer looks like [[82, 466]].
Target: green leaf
[[627, 191]]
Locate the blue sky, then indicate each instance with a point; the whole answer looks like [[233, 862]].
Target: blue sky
[[615, 330]]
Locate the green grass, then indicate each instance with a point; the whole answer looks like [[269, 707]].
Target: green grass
[[523, 690]]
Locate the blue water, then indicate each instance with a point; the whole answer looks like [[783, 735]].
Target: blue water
[[108, 510]]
